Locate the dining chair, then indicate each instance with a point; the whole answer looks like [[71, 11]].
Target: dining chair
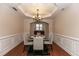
[[26, 41], [49, 42], [38, 43]]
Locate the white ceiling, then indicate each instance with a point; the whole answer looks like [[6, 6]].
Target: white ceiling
[[45, 9]]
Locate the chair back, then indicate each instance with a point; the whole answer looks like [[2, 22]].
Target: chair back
[[51, 37], [38, 43], [25, 38]]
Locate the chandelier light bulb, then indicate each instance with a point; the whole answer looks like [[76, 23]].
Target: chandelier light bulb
[[37, 17]]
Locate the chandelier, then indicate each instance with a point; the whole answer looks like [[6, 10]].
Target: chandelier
[[37, 17]]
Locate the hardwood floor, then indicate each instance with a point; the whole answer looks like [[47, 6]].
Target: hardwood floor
[[18, 51], [57, 51]]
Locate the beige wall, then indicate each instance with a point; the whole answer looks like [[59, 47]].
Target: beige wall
[[67, 22], [11, 22], [28, 21], [50, 22]]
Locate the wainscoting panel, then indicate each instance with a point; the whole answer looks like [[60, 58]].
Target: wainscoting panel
[[69, 44], [9, 42]]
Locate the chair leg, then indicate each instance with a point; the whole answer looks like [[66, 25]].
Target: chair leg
[[24, 48], [50, 50], [50, 47]]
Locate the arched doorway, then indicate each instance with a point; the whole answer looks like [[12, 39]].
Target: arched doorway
[[39, 26]]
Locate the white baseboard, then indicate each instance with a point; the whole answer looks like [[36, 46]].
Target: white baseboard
[[7, 43], [64, 49]]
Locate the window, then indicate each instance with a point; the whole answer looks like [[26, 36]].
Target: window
[[39, 26]]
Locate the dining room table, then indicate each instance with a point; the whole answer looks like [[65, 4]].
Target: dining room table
[[38, 44], [31, 38]]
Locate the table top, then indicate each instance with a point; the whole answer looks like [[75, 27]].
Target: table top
[[32, 38]]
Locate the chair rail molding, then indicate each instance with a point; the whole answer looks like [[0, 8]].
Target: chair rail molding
[[69, 37]]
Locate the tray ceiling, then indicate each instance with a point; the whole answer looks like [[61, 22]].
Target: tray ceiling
[[45, 9]]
